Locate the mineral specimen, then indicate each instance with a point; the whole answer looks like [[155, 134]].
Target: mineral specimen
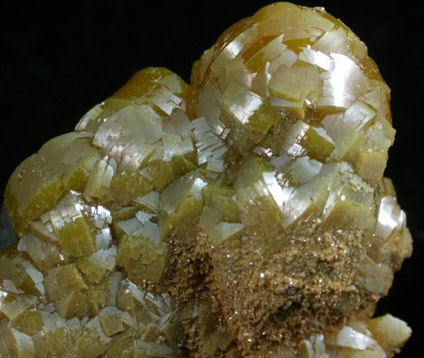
[[244, 215]]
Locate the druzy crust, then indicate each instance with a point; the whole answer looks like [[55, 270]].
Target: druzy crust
[[243, 215]]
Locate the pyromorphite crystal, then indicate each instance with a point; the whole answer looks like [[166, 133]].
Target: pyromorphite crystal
[[244, 215]]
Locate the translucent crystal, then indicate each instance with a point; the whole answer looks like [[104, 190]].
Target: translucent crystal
[[243, 215]]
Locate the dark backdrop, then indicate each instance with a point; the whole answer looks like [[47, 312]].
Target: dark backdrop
[[56, 61]]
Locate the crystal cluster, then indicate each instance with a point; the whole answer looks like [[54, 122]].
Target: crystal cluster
[[244, 215]]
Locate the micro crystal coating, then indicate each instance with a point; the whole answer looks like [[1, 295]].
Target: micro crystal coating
[[243, 215]]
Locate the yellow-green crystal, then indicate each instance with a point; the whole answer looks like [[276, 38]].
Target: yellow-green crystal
[[243, 215]]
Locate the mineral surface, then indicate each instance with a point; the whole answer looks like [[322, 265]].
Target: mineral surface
[[244, 215]]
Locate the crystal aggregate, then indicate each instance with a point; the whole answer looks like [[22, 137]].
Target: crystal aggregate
[[243, 215]]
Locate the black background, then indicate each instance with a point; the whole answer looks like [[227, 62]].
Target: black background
[[57, 61]]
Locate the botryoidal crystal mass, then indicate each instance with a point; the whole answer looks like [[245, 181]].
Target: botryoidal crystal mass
[[243, 215]]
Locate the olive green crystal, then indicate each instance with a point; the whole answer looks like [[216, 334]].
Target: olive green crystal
[[244, 215]]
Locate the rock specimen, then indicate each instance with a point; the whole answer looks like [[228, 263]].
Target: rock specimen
[[244, 215]]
